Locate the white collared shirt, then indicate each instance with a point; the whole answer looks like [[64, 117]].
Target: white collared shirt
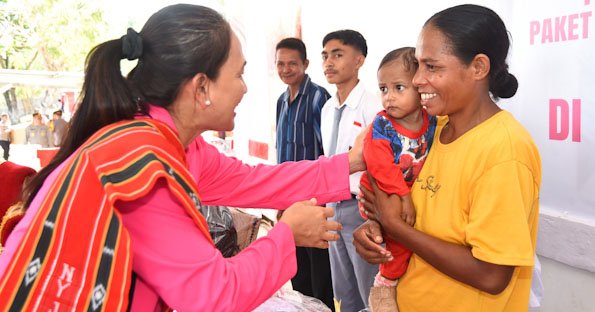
[[362, 107]]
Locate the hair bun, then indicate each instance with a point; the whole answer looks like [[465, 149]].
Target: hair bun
[[504, 85], [132, 45]]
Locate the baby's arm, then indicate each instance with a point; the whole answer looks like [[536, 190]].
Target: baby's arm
[[380, 156]]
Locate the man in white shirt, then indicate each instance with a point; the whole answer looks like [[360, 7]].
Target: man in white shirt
[[343, 117]]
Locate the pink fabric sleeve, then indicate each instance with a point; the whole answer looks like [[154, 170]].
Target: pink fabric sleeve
[[182, 267], [227, 181]]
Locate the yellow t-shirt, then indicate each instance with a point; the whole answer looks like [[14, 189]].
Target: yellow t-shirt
[[480, 191]]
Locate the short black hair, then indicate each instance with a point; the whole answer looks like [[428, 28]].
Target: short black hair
[[293, 44], [348, 37]]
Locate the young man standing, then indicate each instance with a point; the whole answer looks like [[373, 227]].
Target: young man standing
[[344, 116], [299, 138]]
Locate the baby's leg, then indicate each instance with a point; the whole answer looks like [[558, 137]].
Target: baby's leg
[[383, 296]]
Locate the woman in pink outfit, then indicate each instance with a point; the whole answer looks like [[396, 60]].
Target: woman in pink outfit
[[188, 80]]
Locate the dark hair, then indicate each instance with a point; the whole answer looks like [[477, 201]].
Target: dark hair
[[58, 113], [405, 54], [473, 29], [176, 43], [293, 44], [348, 37]]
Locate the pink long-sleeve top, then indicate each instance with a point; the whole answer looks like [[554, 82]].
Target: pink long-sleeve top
[[175, 262]]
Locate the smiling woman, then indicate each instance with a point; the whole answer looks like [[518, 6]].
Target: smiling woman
[[113, 218], [477, 196]]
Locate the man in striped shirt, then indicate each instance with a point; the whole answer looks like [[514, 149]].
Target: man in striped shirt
[[299, 138]]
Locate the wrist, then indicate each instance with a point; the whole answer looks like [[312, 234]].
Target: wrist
[[392, 227], [356, 163]]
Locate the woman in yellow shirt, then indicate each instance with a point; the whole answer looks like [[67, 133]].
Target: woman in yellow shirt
[[477, 196]]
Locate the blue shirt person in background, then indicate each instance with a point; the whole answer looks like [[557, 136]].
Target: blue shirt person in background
[[298, 108], [299, 138]]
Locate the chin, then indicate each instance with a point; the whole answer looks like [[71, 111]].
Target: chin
[[395, 116]]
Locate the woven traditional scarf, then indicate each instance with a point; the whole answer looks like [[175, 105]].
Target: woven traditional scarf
[[76, 254]]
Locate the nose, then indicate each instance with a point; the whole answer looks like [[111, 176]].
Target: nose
[[245, 87], [418, 78], [388, 96]]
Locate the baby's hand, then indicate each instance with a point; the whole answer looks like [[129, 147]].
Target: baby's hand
[[408, 212]]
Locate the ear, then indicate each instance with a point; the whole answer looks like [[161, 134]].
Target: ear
[[200, 87], [480, 66], [359, 61], [306, 63]]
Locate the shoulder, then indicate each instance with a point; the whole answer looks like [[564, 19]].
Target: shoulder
[[138, 132], [316, 93], [370, 98], [144, 140], [382, 121], [318, 88], [282, 97], [515, 134], [506, 139], [504, 129]]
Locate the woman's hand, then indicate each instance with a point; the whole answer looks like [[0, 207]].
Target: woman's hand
[[356, 153], [367, 239], [309, 224]]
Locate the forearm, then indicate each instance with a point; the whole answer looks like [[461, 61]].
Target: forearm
[[355, 163], [454, 260], [278, 186]]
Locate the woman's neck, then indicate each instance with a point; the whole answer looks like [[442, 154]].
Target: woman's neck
[[460, 123], [187, 130]]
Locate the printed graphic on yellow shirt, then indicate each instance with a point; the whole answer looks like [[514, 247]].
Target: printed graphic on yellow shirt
[[429, 184]]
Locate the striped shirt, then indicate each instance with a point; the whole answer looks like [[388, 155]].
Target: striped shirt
[[298, 123]]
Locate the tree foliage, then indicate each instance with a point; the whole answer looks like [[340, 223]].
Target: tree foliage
[[52, 35]]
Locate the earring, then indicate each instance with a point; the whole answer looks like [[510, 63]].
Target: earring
[[208, 102]]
